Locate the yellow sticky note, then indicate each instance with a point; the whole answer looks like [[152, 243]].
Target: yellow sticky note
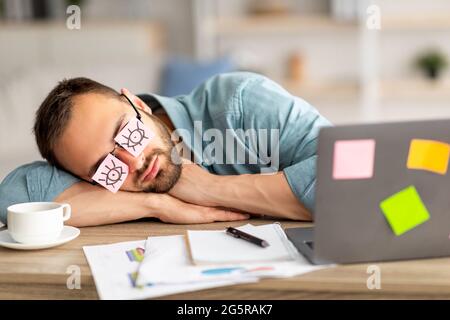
[[428, 155]]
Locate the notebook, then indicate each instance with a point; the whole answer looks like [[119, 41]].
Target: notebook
[[217, 247]]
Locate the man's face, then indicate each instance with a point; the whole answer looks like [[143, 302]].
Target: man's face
[[89, 137]]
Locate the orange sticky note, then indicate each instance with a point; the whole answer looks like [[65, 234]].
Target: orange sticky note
[[428, 155]]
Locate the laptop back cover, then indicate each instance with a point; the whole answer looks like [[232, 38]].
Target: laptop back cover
[[350, 225]]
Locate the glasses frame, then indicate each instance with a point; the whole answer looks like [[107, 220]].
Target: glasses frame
[[138, 116]]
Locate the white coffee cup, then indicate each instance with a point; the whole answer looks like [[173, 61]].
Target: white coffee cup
[[37, 222]]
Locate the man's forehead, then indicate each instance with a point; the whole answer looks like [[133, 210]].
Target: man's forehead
[[90, 115], [89, 130], [95, 102]]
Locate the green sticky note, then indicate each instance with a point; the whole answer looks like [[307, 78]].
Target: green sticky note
[[404, 210]]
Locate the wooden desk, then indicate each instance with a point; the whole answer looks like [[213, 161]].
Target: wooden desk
[[42, 274]]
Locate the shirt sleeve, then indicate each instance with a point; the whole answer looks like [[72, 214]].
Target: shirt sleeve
[[301, 177], [265, 104], [37, 181]]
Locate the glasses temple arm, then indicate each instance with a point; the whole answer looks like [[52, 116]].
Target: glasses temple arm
[[138, 115]]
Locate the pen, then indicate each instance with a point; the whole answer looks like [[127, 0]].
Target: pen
[[245, 236]]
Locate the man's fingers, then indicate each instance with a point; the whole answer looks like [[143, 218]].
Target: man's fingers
[[225, 215], [186, 213], [186, 161], [238, 216]]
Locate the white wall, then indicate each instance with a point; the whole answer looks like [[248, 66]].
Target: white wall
[[174, 16], [37, 57]]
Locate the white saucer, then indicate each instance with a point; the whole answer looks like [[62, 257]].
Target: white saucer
[[68, 233]]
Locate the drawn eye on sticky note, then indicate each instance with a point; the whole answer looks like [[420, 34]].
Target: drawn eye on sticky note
[[134, 137], [404, 210], [353, 159], [111, 173], [428, 155]]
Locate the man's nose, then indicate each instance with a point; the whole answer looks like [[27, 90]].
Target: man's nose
[[133, 163]]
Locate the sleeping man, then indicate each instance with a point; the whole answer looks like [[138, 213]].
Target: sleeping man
[[237, 145]]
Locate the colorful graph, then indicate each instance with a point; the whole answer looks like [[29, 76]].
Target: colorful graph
[[136, 254], [133, 276]]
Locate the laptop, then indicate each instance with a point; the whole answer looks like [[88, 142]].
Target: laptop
[[349, 225]]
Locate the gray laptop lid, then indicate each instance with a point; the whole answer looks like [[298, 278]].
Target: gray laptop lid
[[350, 226]]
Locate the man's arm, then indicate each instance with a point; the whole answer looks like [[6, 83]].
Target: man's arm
[[256, 193], [265, 194], [92, 205]]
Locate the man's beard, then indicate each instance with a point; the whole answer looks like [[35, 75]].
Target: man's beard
[[168, 174], [169, 171]]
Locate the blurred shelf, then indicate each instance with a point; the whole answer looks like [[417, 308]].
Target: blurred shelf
[[277, 24], [415, 89], [51, 43], [151, 34], [403, 89], [416, 22], [294, 24], [61, 24], [342, 90]]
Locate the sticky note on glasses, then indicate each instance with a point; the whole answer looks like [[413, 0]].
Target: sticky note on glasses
[[111, 173], [404, 210], [428, 155], [353, 159], [134, 137]]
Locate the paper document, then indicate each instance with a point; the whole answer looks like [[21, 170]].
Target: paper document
[[114, 268], [218, 247], [167, 261]]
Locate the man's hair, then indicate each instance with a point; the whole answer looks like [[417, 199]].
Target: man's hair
[[55, 111]]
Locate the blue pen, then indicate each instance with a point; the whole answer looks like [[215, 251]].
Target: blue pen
[[221, 270]]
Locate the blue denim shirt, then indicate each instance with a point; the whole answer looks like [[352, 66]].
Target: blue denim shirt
[[235, 104]]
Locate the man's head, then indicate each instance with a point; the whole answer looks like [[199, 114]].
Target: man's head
[[75, 128]]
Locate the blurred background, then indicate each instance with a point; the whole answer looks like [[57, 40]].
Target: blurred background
[[321, 50]]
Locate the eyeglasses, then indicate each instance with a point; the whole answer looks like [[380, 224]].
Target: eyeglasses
[[134, 137]]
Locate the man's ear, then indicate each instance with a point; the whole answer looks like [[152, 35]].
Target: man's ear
[[136, 100]]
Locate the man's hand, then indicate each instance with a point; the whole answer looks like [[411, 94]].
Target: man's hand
[[176, 211], [92, 206], [195, 185], [254, 193]]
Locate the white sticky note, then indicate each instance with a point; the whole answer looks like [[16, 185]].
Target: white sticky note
[[134, 137], [111, 173]]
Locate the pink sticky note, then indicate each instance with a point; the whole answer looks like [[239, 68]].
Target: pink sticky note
[[111, 173], [353, 159], [134, 137]]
